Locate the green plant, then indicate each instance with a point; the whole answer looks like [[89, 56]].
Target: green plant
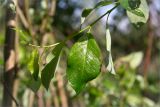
[[85, 59]]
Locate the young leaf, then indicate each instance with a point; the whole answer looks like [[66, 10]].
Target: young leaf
[[137, 20], [24, 36], [33, 64], [49, 70], [83, 62], [110, 66], [134, 59]]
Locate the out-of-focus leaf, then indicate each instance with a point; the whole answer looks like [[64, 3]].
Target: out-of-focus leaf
[[49, 57], [141, 81], [34, 85], [134, 100], [33, 64], [24, 36], [49, 69], [136, 19], [128, 79], [1, 62], [110, 66], [83, 62], [133, 59], [148, 102]]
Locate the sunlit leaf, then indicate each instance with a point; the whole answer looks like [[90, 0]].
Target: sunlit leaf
[[138, 20], [149, 102], [110, 66], [33, 64], [132, 7], [83, 62], [133, 100], [49, 69], [24, 36], [134, 59]]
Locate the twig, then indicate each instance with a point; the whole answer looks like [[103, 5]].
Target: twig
[[89, 26], [22, 17], [61, 90], [149, 50], [48, 46]]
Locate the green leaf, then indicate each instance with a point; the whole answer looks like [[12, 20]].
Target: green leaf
[[86, 12], [134, 59], [136, 12], [132, 6], [138, 20], [110, 66], [33, 64], [49, 69], [83, 62], [103, 3], [1, 62], [24, 36], [124, 3], [33, 84]]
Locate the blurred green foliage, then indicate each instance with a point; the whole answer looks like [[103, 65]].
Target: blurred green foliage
[[128, 88]]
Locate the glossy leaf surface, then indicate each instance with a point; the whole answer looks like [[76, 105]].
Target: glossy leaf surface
[[83, 62]]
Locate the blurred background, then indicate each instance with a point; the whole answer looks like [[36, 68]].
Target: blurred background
[[135, 52]]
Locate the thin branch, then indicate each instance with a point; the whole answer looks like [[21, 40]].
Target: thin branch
[[22, 17], [75, 34], [48, 46], [89, 26]]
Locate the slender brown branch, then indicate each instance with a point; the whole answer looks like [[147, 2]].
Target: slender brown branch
[[61, 90], [22, 17], [149, 49], [54, 95]]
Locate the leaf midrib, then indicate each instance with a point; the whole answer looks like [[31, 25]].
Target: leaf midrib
[[85, 56]]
